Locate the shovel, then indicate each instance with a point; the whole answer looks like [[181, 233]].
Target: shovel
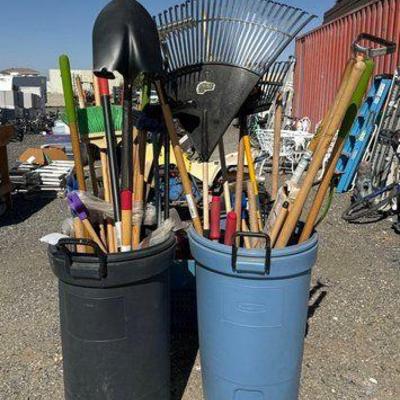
[[119, 44], [125, 39]]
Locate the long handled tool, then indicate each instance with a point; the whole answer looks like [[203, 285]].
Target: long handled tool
[[291, 187], [225, 177], [65, 69], [112, 157], [89, 149], [79, 209], [206, 206], [139, 165], [126, 167], [326, 139], [112, 247], [253, 211], [332, 163], [187, 186], [277, 145], [167, 157], [124, 40], [252, 173], [387, 48], [128, 22], [239, 181]]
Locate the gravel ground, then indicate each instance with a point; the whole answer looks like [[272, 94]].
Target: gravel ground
[[352, 347]]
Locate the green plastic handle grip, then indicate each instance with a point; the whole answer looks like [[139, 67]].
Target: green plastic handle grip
[[65, 69], [146, 92], [358, 98]]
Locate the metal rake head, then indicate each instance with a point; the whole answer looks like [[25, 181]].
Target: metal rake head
[[268, 87], [215, 52]]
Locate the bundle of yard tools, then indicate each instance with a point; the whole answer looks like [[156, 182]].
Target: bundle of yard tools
[[210, 62]]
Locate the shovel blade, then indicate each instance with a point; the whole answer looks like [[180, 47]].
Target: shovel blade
[[125, 39]]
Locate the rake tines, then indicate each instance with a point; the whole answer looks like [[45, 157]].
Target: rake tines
[[216, 51], [268, 87]]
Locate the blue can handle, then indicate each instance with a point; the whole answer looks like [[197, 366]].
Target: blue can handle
[[95, 271], [267, 265]]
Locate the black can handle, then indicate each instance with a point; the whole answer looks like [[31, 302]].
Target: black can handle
[[387, 47], [241, 235], [82, 270]]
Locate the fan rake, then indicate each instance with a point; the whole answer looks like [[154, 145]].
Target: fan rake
[[215, 52]]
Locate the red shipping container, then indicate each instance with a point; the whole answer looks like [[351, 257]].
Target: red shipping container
[[322, 54]]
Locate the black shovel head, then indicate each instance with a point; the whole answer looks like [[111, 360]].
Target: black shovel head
[[212, 92], [125, 39]]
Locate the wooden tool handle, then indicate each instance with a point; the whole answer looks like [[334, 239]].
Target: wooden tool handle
[[206, 208], [280, 220], [253, 176], [277, 146], [107, 197], [81, 93], [333, 109], [227, 197], [337, 151], [79, 233], [239, 183], [316, 163], [93, 235], [246, 240], [187, 185]]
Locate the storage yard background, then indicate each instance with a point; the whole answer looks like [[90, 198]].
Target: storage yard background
[[322, 54]]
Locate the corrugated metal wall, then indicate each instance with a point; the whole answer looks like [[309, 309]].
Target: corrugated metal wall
[[322, 54]]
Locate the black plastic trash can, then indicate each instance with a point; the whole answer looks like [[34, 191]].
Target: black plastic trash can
[[115, 322]]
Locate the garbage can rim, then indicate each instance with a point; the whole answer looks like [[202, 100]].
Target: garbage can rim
[[276, 253]]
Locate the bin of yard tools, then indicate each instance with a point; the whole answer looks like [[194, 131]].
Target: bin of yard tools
[[252, 313], [115, 321]]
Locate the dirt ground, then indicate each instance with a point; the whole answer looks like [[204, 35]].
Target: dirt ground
[[352, 348]]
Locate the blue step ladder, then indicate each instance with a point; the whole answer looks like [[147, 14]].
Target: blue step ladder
[[361, 132]]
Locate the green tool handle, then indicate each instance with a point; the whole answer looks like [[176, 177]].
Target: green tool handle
[[65, 69], [146, 90], [72, 120]]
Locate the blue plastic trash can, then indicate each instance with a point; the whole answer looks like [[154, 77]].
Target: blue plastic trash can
[[252, 318]]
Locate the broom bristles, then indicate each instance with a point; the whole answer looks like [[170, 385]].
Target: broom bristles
[[91, 120]]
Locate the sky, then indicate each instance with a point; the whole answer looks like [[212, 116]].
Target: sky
[[34, 33]]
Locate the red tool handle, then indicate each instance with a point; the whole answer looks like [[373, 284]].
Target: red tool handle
[[230, 230], [215, 218], [104, 88]]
